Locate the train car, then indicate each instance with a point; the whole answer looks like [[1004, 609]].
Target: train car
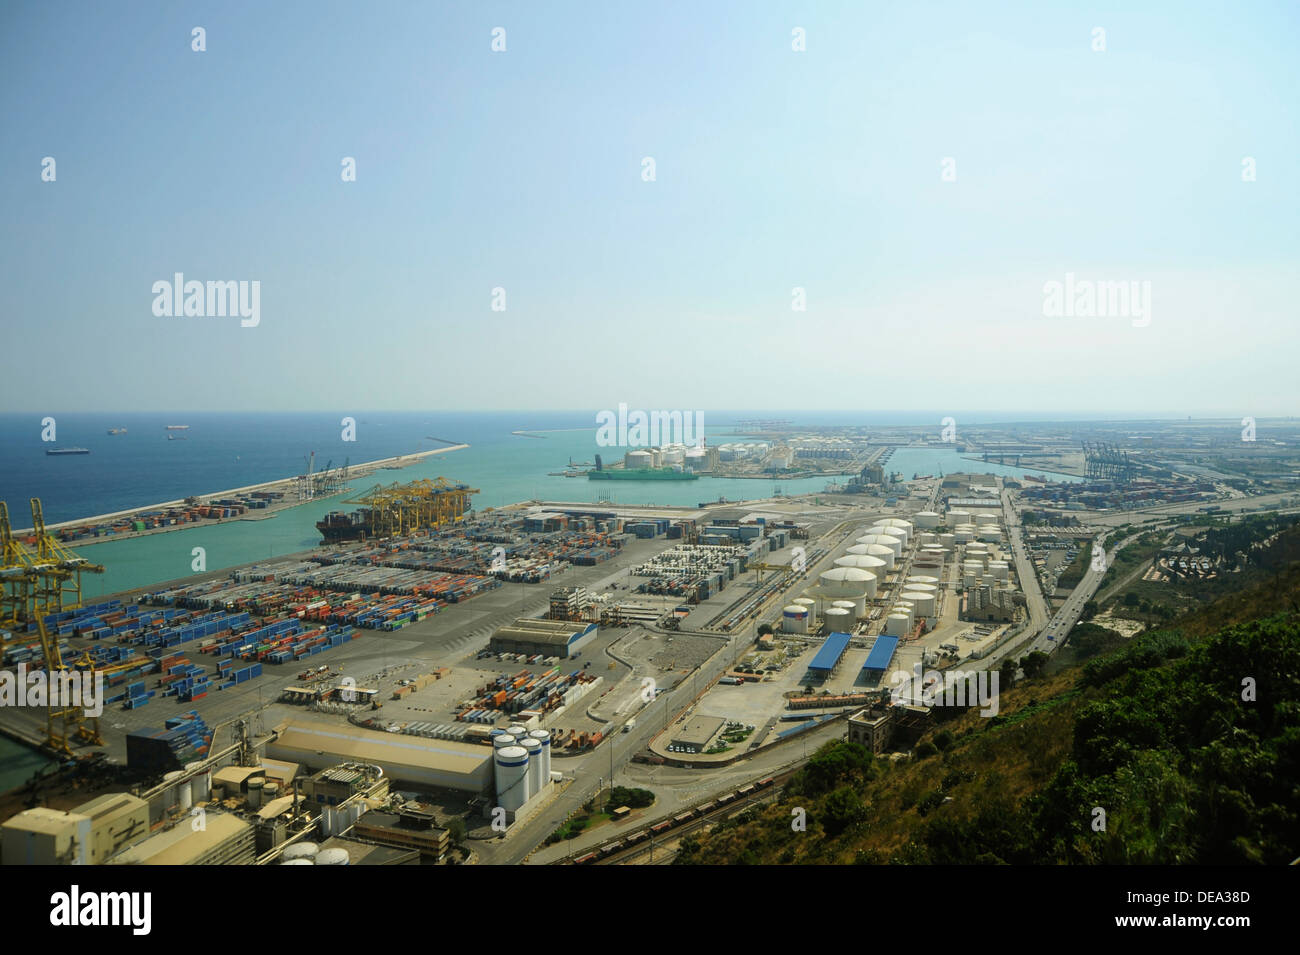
[[684, 817], [764, 783], [588, 859], [723, 800], [610, 849], [706, 808], [662, 827], [744, 791], [639, 836]]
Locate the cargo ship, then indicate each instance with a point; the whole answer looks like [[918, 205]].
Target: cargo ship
[[337, 527], [643, 474], [178, 427], [67, 450]]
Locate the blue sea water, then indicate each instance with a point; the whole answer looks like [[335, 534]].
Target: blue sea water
[[223, 451]]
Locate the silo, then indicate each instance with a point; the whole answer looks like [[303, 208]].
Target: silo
[[172, 794], [512, 777], [200, 785], [896, 625], [255, 792], [927, 519], [333, 857], [300, 850], [535, 777], [794, 619], [185, 796], [517, 731], [544, 737], [502, 741]]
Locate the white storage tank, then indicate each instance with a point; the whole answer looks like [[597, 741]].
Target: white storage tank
[[255, 792], [535, 777], [985, 517], [794, 619], [297, 861], [894, 544], [922, 579], [850, 582], [300, 850], [990, 533], [896, 625], [637, 459], [901, 528], [957, 518], [200, 785], [867, 562], [332, 857], [927, 519], [948, 541], [512, 777], [544, 738], [517, 731], [922, 602], [929, 537], [502, 740], [838, 619]]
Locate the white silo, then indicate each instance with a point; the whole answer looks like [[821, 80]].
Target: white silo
[[896, 625], [535, 777], [185, 795], [927, 519], [794, 619], [201, 785], [502, 740], [517, 730], [544, 737], [512, 777]]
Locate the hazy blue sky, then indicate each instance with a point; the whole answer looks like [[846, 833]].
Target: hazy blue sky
[[775, 169]]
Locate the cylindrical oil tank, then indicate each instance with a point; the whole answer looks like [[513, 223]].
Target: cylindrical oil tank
[[923, 602], [838, 619], [929, 537], [900, 527], [922, 579], [927, 519], [843, 604], [794, 619], [512, 777], [300, 850], [948, 540], [333, 857], [985, 517], [868, 562], [637, 459], [956, 518], [850, 582], [270, 790], [896, 625], [297, 861], [895, 544]]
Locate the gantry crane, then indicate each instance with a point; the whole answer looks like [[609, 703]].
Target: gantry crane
[[400, 509], [38, 582]]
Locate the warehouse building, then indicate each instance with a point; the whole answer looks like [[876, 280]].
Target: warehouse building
[[225, 839], [698, 732], [44, 836], [550, 638], [436, 763]]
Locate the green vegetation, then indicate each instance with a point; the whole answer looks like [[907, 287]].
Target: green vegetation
[[632, 798], [1070, 577], [1154, 730]]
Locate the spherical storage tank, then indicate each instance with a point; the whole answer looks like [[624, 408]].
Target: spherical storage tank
[[512, 777], [333, 857], [794, 619], [848, 582]]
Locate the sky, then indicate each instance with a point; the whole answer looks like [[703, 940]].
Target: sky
[[775, 169]]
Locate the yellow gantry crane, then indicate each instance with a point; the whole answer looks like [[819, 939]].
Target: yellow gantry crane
[[39, 581], [400, 509]]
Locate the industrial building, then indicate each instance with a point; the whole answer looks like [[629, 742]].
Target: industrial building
[[87, 835], [550, 638], [698, 732], [441, 764], [408, 828], [224, 839], [987, 604]]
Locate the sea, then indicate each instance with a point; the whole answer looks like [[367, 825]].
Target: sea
[[148, 464]]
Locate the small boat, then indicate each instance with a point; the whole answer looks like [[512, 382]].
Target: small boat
[[117, 430]]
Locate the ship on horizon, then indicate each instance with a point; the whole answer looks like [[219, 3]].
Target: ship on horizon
[[117, 430], [67, 450], [177, 427]]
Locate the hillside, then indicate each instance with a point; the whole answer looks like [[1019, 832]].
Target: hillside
[[1155, 733]]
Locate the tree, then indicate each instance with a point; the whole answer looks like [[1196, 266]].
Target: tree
[[456, 830], [1090, 609], [1033, 663], [1007, 672], [765, 629]]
